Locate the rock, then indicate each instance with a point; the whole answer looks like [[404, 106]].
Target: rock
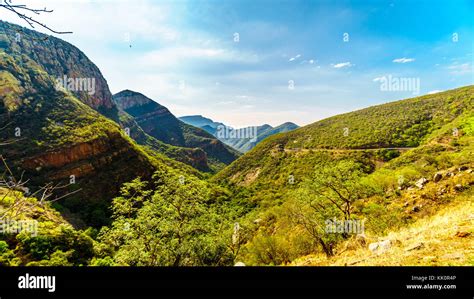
[[380, 247], [460, 234], [437, 177], [421, 182], [416, 209], [415, 247], [361, 239], [453, 256], [449, 174], [469, 170], [430, 258], [239, 264], [462, 168], [458, 187]]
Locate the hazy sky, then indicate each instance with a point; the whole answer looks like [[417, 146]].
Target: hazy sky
[[256, 62]]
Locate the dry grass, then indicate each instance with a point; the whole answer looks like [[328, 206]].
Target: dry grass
[[444, 239]]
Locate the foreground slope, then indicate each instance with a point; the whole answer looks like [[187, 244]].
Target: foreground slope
[[444, 239]]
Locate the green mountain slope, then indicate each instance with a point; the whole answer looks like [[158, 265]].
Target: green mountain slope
[[402, 124], [53, 136], [59, 58], [158, 122], [419, 161]]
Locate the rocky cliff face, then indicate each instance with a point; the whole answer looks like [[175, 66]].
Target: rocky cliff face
[[61, 60]]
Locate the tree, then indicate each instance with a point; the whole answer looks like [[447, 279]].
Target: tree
[[329, 194], [175, 225]]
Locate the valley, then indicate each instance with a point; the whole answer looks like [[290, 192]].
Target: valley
[[151, 189]]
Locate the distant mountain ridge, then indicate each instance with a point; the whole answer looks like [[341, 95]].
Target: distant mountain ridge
[[158, 122], [243, 145]]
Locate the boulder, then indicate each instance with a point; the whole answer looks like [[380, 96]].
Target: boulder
[[380, 247], [421, 182], [437, 177]]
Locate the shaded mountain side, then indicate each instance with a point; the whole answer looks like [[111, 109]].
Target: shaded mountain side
[[51, 136], [242, 144], [194, 157], [158, 122]]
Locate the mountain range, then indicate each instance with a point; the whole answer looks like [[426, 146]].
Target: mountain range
[[144, 188], [243, 144]]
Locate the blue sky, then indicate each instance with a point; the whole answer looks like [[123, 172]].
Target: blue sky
[[255, 62]]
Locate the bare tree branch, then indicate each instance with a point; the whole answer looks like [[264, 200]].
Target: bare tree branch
[[21, 11]]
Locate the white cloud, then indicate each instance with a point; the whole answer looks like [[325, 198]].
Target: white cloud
[[378, 79], [181, 55], [434, 91], [343, 65], [460, 69], [403, 60], [294, 58]]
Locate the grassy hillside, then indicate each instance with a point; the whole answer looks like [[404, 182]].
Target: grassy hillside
[[397, 125], [409, 170], [37, 235], [444, 239]]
